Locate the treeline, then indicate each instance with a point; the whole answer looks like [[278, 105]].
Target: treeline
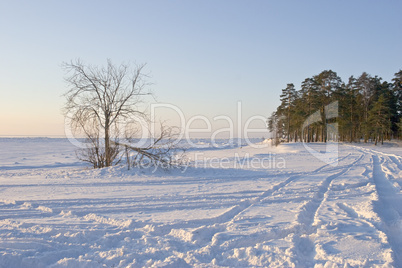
[[326, 108]]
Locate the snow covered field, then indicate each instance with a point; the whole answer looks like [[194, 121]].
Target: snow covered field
[[232, 207]]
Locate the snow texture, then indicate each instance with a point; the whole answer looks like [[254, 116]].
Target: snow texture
[[291, 211]]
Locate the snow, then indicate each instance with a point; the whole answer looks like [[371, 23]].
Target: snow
[[233, 206]]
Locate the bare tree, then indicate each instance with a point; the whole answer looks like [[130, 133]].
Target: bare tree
[[159, 151], [98, 102]]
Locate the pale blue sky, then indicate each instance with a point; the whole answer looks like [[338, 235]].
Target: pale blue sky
[[203, 56]]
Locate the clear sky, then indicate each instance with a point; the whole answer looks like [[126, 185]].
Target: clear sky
[[203, 56]]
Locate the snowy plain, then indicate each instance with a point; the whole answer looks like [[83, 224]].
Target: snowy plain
[[234, 206]]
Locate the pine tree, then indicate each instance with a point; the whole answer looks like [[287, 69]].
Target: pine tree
[[379, 119], [366, 86], [397, 92], [287, 98], [309, 97], [347, 103], [368, 108], [399, 125], [328, 81]]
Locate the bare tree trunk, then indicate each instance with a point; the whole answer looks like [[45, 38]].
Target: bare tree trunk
[[323, 134], [107, 144], [98, 101], [127, 157], [288, 128]]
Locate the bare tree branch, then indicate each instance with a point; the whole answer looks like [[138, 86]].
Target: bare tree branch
[[100, 104], [97, 99]]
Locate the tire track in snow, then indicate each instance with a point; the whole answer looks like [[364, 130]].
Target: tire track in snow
[[303, 246], [211, 234], [389, 209], [216, 232], [226, 217], [235, 211], [373, 152], [396, 161], [308, 212], [232, 213], [388, 205]]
